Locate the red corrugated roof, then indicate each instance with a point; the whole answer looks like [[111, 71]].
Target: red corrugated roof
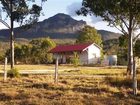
[[69, 48]]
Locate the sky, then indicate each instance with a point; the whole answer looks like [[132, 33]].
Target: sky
[[52, 7]]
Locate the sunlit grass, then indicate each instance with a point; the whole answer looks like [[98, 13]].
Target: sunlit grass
[[97, 71], [36, 67]]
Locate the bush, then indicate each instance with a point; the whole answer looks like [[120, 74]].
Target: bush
[[13, 73], [75, 59]]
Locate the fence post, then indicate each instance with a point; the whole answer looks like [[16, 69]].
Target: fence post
[[134, 79], [5, 70], [56, 70]]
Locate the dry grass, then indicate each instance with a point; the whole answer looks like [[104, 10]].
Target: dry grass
[[36, 67], [70, 69], [97, 71], [28, 67], [41, 90], [71, 89]]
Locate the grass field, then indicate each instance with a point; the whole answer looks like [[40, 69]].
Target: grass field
[[70, 90], [41, 90]]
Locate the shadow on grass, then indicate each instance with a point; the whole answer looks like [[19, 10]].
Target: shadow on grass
[[47, 86], [39, 85], [4, 97], [89, 90], [137, 97], [119, 82]]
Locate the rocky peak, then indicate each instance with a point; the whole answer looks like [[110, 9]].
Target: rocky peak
[[62, 21]]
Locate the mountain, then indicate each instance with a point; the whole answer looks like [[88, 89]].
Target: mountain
[[60, 26], [107, 35]]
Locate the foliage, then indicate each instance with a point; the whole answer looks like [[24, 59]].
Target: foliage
[[122, 56], [64, 41], [24, 12], [13, 73], [23, 53], [75, 59], [40, 48], [111, 47], [116, 12], [120, 47], [137, 49], [3, 47], [123, 41], [36, 52], [122, 51], [89, 35], [2, 57], [123, 48]]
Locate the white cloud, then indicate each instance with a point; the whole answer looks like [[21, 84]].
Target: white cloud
[[104, 26], [95, 19], [2, 26], [71, 9]]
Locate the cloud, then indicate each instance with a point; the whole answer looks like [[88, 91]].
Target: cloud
[[71, 9], [95, 19], [2, 26]]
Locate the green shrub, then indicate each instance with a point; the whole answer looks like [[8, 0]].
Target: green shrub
[[75, 59], [13, 73]]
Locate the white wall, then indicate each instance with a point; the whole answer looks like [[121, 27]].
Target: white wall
[[94, 54]]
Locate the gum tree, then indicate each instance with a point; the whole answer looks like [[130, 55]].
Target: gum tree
[[24, 12], [122, 14], [89, 35]]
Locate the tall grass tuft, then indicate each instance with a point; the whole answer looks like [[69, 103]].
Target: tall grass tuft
[[13, 73]]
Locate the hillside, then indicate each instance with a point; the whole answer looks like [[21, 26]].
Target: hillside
[[107, 35], [60, 26]]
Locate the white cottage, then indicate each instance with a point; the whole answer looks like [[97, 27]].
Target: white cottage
[[88, 53]]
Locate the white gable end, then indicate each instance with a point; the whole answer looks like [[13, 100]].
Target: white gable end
[[94, 54]]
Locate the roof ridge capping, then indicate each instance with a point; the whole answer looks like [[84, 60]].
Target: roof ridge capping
[[97, 45]]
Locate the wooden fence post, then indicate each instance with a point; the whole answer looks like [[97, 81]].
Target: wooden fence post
[[56, 70], [134, 79], [5, 70]]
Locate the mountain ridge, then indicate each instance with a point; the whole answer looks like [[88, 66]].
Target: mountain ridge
[[59, 26]]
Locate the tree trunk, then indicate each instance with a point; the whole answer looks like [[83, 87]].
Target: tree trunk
[[12, 36], [130, 56], [130, 45]]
